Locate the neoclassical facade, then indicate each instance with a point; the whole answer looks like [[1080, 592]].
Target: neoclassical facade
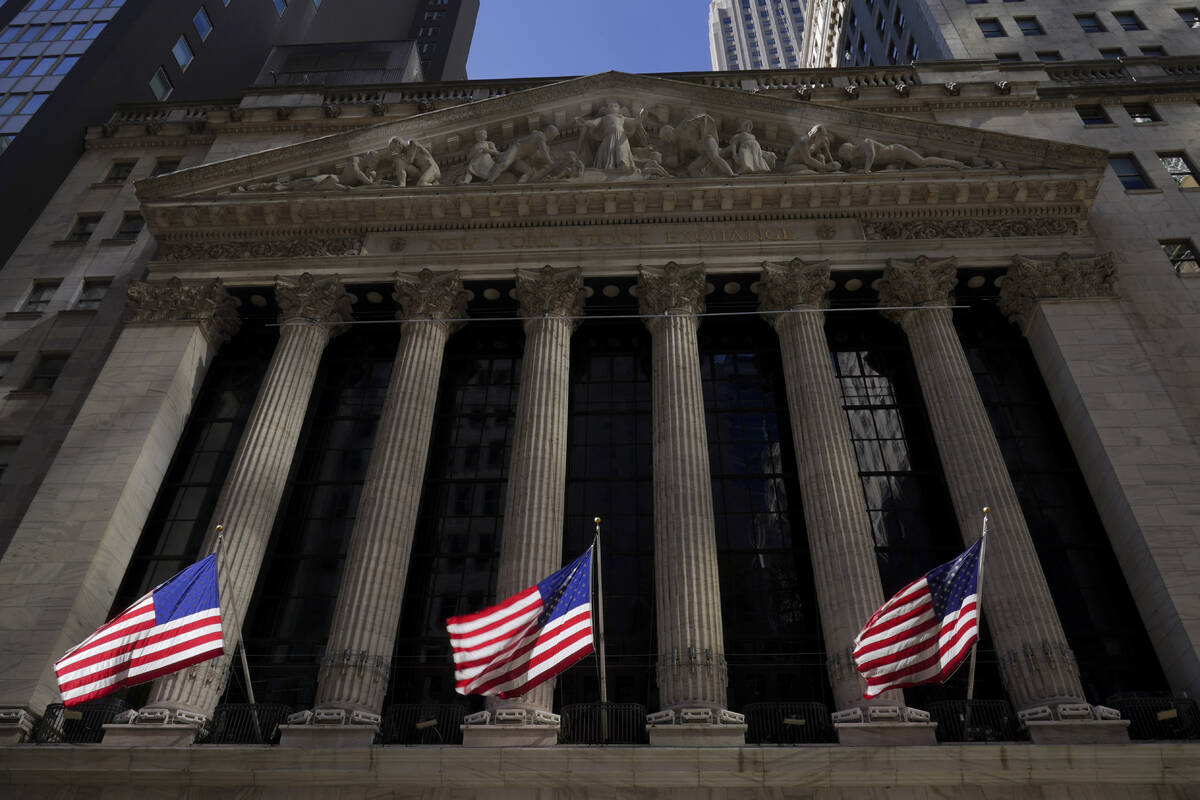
[[786, 351]]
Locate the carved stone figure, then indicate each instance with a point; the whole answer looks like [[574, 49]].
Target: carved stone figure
[[567, 168], [612, 133], [746, 153], [867, 154], [413, 159], [360, 170], [812, 153], [525, 155], [480, 158], [653, 168], [695, 146]]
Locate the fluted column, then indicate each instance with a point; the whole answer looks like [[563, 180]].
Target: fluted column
[[531, 543], [1036, 663], [691, 655], [309, 310], [354, 675], [845, 569]]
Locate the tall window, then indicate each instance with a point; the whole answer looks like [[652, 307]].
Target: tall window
[[1129, 172], [161, 85], [202, 24], [1128, 20], [280, 6], [92, 293], [1182, 255], [46, 373], [1190, 16], [85, 225], [120, 171], [457, 538], [991, 28], [182, 52], [1180, 167], [1090, 23], [1142, 113], [40, 295], [1030, 26]]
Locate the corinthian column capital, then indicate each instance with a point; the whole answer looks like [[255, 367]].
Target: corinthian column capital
[[316, 300], [671, 290], [429, 295], [205, 303], [922, 282], [1067, 277], [797, 284], [548, 292]]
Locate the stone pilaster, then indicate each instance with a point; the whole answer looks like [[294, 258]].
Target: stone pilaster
[[1036, 663], [692, 672], [531, 543], [310, 309], [845, 569], [354, 676], [68, 554], [1029, 281]]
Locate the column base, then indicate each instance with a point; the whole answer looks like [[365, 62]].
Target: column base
[[16, 725], [168, 735], [1079, 731], [697, 735], [509, 735], [886, 734], [327, 736]]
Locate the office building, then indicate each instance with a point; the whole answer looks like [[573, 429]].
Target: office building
[[755, 34], [786, 333], [64, 64]]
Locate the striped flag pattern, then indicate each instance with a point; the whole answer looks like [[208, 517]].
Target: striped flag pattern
[[529, 638], [924, 632], [176, 625]]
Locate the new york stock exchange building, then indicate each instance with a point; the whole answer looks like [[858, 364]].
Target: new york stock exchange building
[[785, 336]]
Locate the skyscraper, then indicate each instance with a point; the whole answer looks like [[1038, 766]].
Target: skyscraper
[[755, 34]]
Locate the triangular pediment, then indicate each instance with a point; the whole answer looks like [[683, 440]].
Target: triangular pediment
[[615, 145]]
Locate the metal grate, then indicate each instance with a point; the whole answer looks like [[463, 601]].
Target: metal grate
[[788, 723], [243, 723], [988, 721], [603, 723], [430, 723], [82, 724], [1159, 717]]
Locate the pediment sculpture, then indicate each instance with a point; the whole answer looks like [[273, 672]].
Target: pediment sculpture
[[618, 144]]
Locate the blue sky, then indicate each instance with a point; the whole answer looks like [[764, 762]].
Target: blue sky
[[526, 39]]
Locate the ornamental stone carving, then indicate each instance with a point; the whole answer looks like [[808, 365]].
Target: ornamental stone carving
[[606, 141], [278, 248], [205, 302], [969, 228], [316, 300], [673, 289], [798, 284], [922, 282], [1067, 277], [551, 293], [429, 295], [526, 156]]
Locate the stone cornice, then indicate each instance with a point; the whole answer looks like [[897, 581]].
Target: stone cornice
[[1067, 277]]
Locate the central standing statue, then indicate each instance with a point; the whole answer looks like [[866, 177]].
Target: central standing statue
[[612, 132]]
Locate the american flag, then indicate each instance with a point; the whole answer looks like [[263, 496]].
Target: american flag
[[923, 633], [176, 625], [529, 638]]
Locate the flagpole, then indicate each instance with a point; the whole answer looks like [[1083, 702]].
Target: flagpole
[[978, 620], [599, 617], [240, 645]]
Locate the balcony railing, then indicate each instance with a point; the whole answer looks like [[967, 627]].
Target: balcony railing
[[1159, 717], [423, 724], [976, 721], [788, 723], [603, 723], [243, 723], [79, 725]]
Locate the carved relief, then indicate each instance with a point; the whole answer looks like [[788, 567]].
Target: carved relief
[[693, 146], [798, 284], [310, 299], [746, 153], [481, 158], [287, 248], [923, 282], [431, 295], [673, 289], [607, 141], [970, 228], [550, 293], [1067, 277], [204, 302], [526, 156]]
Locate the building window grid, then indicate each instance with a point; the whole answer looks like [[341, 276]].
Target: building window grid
[[1182, 255], [1112, 53], [92, 293], [120, 171], [1093, 115], [1129, 171], [85, 225], [45, 374], [202, 24], [1190, 16], [1180, 168], [40, 295], [130, 227], [1090, 23], [1142, 113], [1128, 20], [991, 28], [1030, 26]]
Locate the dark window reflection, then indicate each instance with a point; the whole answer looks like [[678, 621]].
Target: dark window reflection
[[609, 475], [772, 625], [1089, 590], [907, 502], [456, 546], [289, 617]]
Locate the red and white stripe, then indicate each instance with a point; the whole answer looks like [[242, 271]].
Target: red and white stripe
[[131, 649], [502, 651], [905, 644]]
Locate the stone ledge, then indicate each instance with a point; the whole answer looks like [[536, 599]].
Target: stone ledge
[[509, 735], [1083, 731], [150, 735], [697, 735], [327, 736], [886, 734]]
